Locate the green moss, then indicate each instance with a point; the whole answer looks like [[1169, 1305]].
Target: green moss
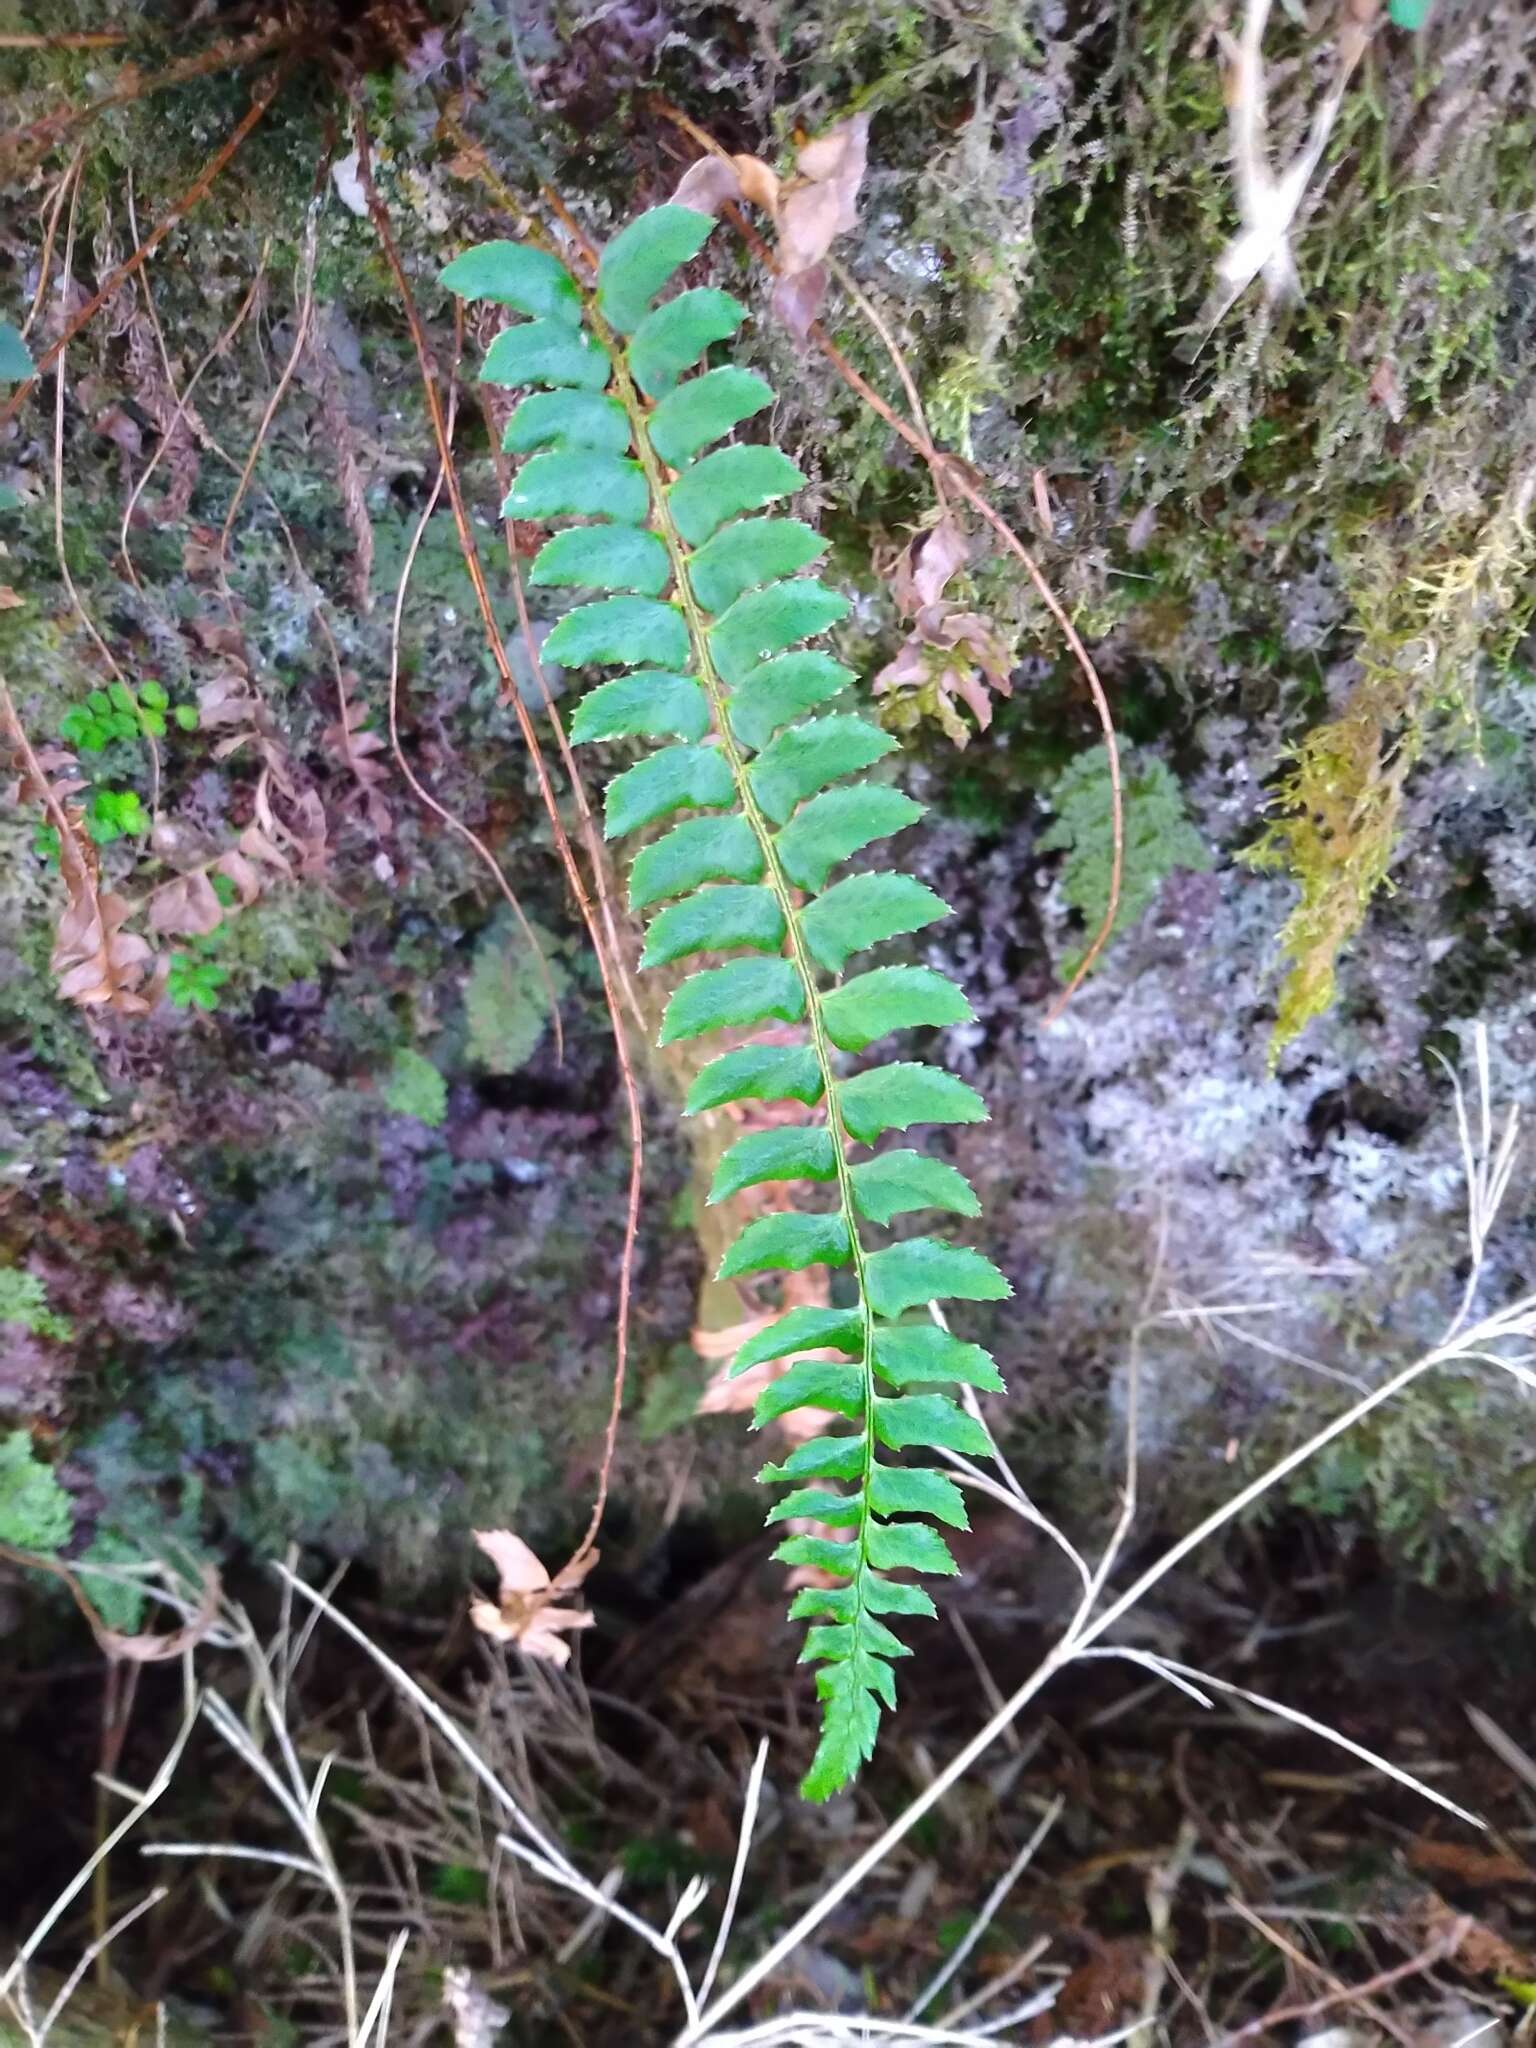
[[415, 1088], [1158, 838], [35, 1511]]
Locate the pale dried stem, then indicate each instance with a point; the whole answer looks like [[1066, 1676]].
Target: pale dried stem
[[183, 400], [50, 235], [76, 601], [302, 318], [133, 84], [1091, 1622], [990, 1907]]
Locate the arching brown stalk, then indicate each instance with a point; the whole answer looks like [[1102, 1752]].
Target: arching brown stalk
[[379, 216], [222, 157], [133, 84]]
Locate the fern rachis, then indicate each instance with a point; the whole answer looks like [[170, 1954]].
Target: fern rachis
[[719, 668]]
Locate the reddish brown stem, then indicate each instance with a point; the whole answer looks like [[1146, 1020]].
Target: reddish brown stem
[[65, 39], [196, 191], [133, 84], [380, 218], [413, 781]]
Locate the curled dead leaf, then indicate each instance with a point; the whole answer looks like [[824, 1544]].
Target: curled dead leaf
[[819, 205], [948, 653], [1385, 391], [187, 906], [809, 210], [926, 566], [523, 1613], [98, 964]]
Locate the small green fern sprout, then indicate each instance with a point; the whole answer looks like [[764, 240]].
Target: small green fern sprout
[[704, 609]]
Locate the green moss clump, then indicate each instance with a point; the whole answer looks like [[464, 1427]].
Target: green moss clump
[[1158, 838]]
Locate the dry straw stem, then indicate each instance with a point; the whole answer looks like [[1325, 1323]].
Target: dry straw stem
[[60, 555], [958, 476], [301, 324], [1486, 1153], [183, 403], [61, 192], [1269, 204], [379, 215], [64, 39]]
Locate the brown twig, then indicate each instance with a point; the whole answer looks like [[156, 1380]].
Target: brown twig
[[73, 864], [1303, 1961], [636, 1127], [380, 218], [133, 84], [50, 235], [64, 39], [414, 783], [572, 226], [959, 478], [60, 554], [222, 157], [1437, 1952], [269, 412], [183, 400]]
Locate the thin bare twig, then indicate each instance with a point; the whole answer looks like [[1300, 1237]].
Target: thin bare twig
[[183, 401], [60, 555], [269, 413], [379, 215], [61, 192], [63, 39], [222, 157], [1356, 1994], [133, 84], [413, 781]]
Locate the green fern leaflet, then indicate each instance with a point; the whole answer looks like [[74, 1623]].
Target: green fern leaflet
[[703, 604]]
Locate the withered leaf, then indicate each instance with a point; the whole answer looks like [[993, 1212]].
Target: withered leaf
[[98, 964], [523, 1613], [188, 906], [948, 653], [809, 210]]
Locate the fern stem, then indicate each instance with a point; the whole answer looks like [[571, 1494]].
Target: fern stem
[[784, 893]]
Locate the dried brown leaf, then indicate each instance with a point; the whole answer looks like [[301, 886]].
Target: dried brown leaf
[[522, 1613], [341, 440], [187, 906], [99, 965], [948, 653], [927, 565], [351, 743], [716, 181], [1385, 391], [820, 204], [242, 873]]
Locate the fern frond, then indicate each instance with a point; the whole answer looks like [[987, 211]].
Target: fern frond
[[704, 603]]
